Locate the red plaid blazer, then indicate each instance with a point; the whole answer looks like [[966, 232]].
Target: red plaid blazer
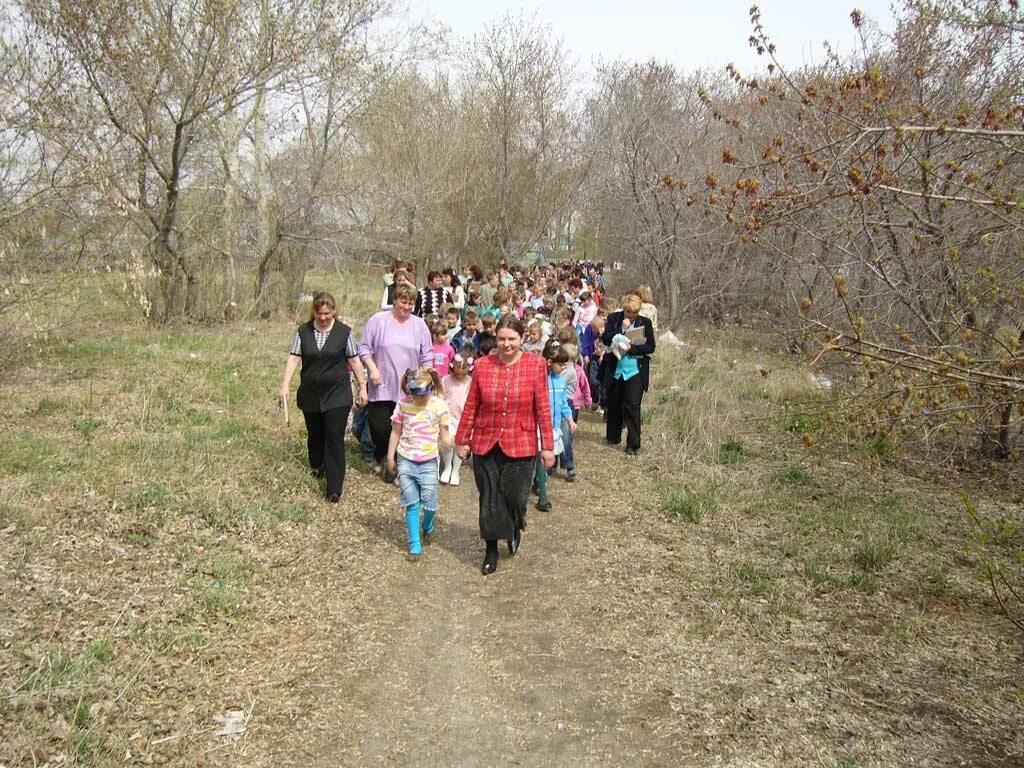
[[505, 407]]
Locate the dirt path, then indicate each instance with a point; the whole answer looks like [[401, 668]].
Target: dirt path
[[430, 663], [615, 637]]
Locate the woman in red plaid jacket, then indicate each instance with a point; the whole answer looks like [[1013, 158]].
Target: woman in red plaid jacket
[[506, 409]]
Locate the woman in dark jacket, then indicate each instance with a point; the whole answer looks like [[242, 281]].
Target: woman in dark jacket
[[325, 347], [628, 379]]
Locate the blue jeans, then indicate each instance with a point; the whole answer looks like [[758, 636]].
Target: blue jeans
[[417, 482], [566, 459]]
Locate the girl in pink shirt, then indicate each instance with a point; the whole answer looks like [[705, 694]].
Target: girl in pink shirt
[[443, 352], [420, 422], [456, 389]]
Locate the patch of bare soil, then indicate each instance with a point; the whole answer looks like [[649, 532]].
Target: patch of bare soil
[[606, 641]]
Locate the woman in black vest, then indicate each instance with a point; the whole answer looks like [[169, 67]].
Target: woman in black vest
[[325, 346]]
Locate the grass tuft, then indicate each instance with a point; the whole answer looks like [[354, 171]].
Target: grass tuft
[[793, 476], [691, 504], [873, 555], [730, 453]]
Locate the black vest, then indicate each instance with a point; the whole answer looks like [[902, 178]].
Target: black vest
[[325, 379]]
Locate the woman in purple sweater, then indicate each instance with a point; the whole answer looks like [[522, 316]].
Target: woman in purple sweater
[[393, 341]]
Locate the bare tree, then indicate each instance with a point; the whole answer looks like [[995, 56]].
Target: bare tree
[[148, 84], [517, 98], [900, 172]]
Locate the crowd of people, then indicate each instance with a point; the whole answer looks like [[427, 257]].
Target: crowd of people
[[494, 368]]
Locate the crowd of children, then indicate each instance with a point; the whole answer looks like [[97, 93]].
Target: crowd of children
[[564, 311]]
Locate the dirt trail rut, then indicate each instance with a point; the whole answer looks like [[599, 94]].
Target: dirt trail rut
[[431, 663]]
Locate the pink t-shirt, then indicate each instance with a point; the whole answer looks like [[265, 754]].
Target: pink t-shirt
[[443, 354], [584, 315], [421, 426], [455, 393]]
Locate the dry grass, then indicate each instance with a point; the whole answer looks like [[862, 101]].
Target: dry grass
[[731, 598]]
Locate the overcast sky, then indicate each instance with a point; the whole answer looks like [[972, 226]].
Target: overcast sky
[[687, 33]]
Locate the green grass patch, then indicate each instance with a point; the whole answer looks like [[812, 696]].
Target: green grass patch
[[730, 453], [169, 641], [755, 579], [691, 504], [936, 581], [793, 476], [147, 496], [873, 555], [803, 423], [87, 427], [701, 377], [222, 582], [877, 449], [47, 407], [844, 540], [28, 453]]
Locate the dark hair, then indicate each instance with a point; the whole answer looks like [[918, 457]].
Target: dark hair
[[450, 273], [488, 342], [432, 274], [476, 272], [555, 353], [512, 322], [464, 358]]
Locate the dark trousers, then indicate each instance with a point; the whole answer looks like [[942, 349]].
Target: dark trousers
[[378, 418], [325, 442], [504, 486], [594, 379], [624, 410], [362, 432]]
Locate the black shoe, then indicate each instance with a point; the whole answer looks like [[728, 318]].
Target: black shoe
[[544, 505], [609, 442], [570, 478], [316, 472], [490, 562], [631, 451], [514, 542], [333, 498]]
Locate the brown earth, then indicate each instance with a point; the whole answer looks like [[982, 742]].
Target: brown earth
[[606, 641]]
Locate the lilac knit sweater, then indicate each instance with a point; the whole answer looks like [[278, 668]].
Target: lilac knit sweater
[[394, 347]]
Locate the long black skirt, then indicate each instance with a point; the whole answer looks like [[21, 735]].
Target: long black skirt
[[504, 486]]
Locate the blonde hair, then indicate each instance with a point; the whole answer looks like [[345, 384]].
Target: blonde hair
[[406, 291], [632, 302], [421, 376], [646, 294]]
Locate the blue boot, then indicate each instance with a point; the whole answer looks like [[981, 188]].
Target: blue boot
[[428, 522], [412, 523]]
